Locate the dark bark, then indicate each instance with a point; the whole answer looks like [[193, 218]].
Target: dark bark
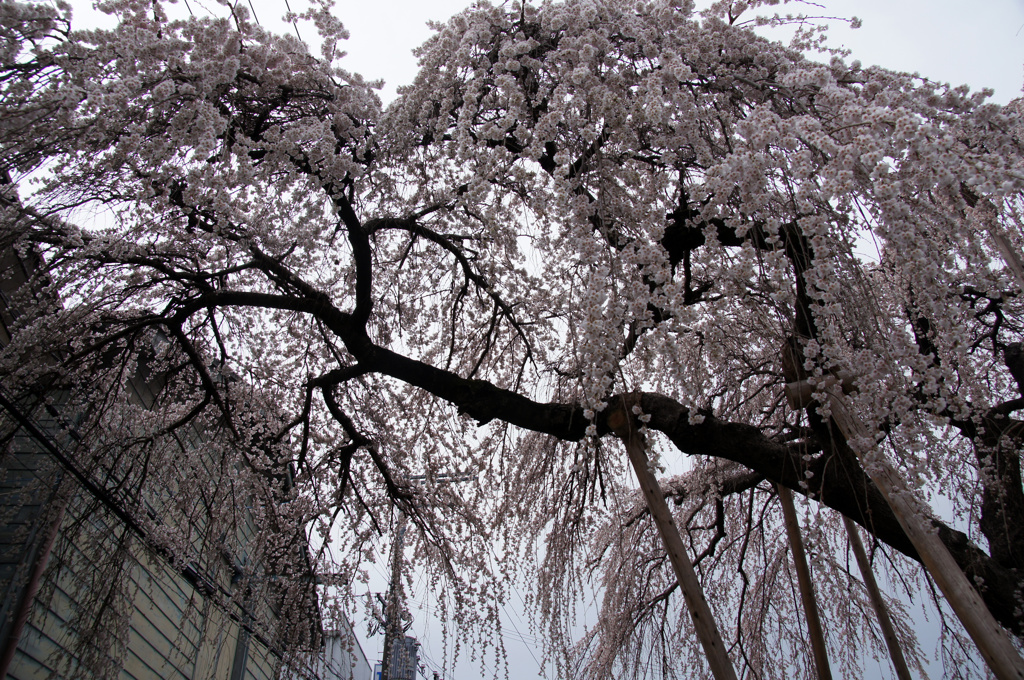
[[837, 481], [836, 478], [1002, 504]]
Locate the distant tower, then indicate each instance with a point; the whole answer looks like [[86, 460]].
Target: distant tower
[[405, 653]]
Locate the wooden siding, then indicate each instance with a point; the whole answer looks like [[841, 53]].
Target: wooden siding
[[175, 632]]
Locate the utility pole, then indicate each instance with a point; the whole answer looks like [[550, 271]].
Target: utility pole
[[393, 613], [394, 632]]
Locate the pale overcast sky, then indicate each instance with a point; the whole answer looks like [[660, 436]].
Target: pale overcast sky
[[979, 43], [940, 39]]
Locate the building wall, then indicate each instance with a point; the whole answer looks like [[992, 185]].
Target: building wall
[[342, 658], [169, 629], [174, 631], [180, 620]]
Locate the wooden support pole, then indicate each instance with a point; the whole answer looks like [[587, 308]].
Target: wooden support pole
[[899, 662], [803, 577], [991, 639], [1010, 255], [700, 613]]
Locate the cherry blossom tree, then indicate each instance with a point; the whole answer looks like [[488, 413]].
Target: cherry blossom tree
[[575, 206]]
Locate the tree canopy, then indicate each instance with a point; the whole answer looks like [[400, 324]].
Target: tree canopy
[[575, 206]]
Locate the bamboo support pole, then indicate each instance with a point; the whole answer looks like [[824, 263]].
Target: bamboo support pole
[[899, 662], [1010, 255], [986, 213], [693, 593], [803, 577], [991, 639]]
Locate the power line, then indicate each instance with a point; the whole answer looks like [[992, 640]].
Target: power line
[[502, 605], [295, 25], [515, 634], [200, 581]]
